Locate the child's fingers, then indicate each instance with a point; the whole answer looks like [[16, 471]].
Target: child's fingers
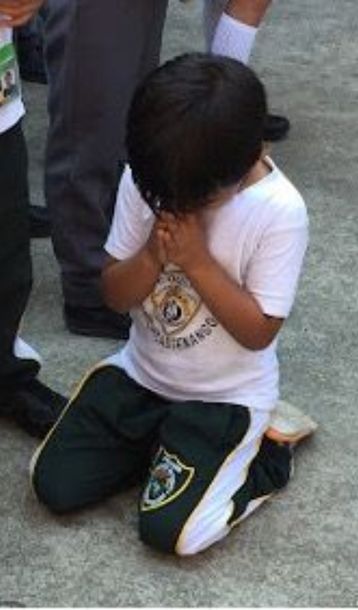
[[164, 237], [162, 245]]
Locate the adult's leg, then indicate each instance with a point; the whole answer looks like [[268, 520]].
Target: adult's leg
[[231, 28], [15, 261], [29, 40], [96, 54], [247, 13], [101, 444], [29, 43], [204, 476], [23, 398]]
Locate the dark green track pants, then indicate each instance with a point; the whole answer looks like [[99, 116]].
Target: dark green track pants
[[203, 466]]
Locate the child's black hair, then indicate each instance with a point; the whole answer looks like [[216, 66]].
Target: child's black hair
[[195, 126]]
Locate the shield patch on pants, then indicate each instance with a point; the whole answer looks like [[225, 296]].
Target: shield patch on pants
[[168, 479]]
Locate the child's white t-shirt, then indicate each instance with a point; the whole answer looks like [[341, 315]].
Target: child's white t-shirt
[[11, 105], [176, 346]]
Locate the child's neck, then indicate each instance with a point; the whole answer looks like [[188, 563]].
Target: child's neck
[[260, 170]]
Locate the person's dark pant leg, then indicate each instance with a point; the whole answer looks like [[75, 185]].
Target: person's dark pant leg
[[96, 56], [101, 445], [15, 260], [29, 46]]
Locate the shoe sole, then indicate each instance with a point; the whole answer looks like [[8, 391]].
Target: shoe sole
[[289, 425]]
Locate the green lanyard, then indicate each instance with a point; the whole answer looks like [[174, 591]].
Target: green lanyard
[[9, 74]]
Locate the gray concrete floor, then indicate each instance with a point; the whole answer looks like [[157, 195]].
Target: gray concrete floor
[[301, 548]]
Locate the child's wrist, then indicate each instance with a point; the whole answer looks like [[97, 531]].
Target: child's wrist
[[199, 265]]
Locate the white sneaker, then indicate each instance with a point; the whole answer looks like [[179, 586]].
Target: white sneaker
[[289, 425]]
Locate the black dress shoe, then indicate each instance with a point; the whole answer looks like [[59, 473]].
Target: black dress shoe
[[276, 128], [39, 221], [33, 406], [96, 322]]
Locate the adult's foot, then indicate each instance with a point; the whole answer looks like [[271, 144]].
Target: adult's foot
[[276, 128], [32, 406], [96, 322]]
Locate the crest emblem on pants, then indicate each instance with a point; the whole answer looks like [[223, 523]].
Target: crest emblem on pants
[[168, 479]]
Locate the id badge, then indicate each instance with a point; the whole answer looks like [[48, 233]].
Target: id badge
[[9, 74]]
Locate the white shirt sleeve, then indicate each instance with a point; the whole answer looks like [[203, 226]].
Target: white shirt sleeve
[[132, 220], [274, 271]]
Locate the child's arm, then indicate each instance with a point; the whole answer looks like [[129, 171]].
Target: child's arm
[[127, 283], [237, 310]]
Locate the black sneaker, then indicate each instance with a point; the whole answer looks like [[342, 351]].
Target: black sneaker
[[276, 128], [39, 221], [96, 322], [33, 406]]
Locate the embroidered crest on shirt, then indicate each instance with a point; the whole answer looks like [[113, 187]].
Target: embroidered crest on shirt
[[171, 308], [168, 479]]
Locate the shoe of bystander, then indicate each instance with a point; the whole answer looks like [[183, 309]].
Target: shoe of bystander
[[33, 406], [96, 322], [276, 128]]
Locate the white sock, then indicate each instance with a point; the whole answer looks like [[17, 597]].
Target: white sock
[[233, 38]]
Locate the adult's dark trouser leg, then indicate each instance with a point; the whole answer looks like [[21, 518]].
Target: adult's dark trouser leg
[[101, 444], [96, 56], [15, 261]]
